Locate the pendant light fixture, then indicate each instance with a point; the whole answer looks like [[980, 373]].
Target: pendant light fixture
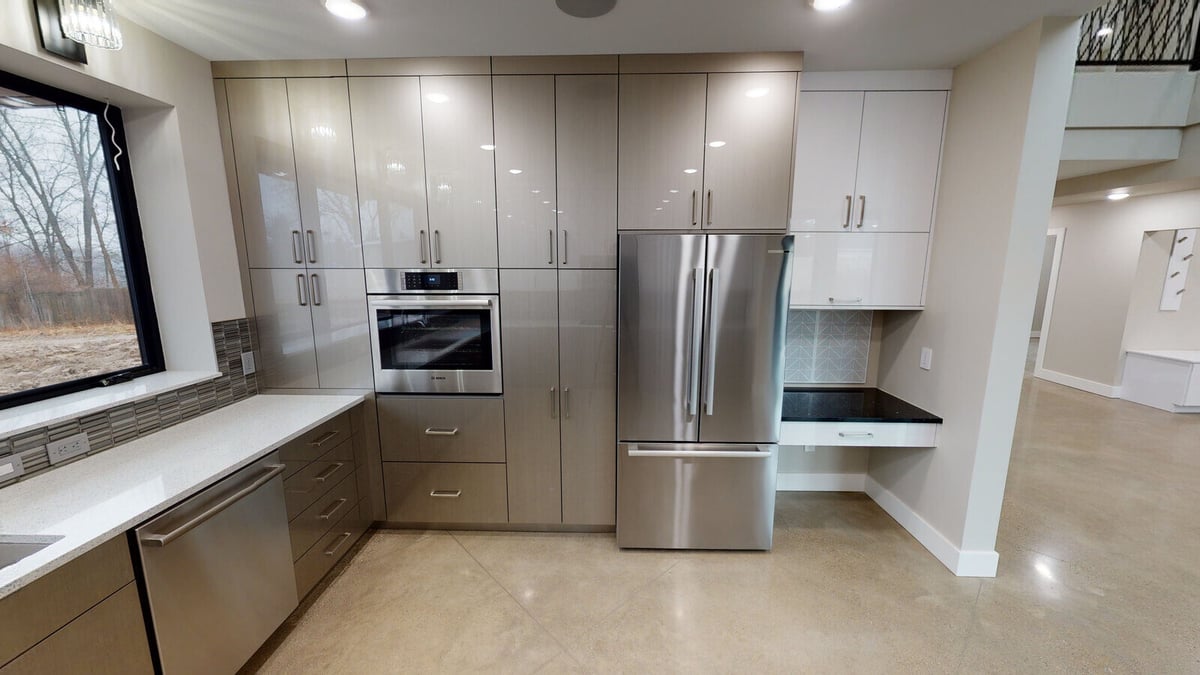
[[91, 22]]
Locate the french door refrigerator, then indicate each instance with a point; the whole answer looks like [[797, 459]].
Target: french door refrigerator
[[701, 328]]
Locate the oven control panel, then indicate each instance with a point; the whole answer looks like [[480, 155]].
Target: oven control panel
[[431, 281]]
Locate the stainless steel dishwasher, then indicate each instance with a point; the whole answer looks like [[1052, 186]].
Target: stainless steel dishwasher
[[218, 571]]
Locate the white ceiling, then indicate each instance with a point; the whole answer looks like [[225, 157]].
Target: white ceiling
[[869, 35], [1074, 168]]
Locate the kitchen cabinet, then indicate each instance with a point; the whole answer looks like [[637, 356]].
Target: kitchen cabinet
[[444, 493], [560, 395], [312, 328], [525, 171], [586, 142], [460, 170], [390, 165], [442, 429], [859, 269], [867, 161]]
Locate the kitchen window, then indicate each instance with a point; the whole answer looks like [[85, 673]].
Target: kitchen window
[[75, 304]]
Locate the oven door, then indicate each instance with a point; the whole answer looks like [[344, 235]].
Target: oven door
[[436, 344]]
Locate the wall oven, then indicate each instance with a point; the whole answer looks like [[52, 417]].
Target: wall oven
[[435, 331]]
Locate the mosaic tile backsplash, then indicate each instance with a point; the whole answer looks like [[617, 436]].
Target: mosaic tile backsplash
[[112, 427], [827, 346]]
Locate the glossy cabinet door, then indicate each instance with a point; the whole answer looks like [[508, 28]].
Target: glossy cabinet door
[[338, 299], [587, 302], [586, 132], [826, 163], [748, 150], [285, 331], [898, 160], [321, 135], [859, 269], [661, 155], [390, 161], [460, 170], [525, 174], [266, 172], [531, 394]]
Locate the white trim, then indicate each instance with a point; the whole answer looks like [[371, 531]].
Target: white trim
[[1098, 388], [962, 563], [821, 482], [1060, 235], [878, 80]]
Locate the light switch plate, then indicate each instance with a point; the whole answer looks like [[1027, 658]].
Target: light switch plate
[[69, 447], [926, 358], [11, 467], [248, 363]]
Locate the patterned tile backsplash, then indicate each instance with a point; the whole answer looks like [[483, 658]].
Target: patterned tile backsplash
[[827, 346], [112, 427]]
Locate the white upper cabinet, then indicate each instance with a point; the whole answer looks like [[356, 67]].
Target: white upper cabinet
[[661, 156], [586, 128], [390, 160], [898, 160], [460, 170], [525, 170], [748, 153], [266, 172], [827, 131], [859, 270], [324, 147]]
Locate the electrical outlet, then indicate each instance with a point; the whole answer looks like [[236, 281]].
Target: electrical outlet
[[67, 448], [926, 358], [11, 467], [248, 363]]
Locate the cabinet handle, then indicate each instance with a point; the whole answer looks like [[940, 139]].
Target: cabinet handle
[[316, 290], [434, 431], [328, 472], [324, 438], [694, 223], [1189, 257], [849, 211], [342, 538], [297, 256], [844, 301], [553, 403], [300, 295], [864, 434], [564, 247], [424, 258], [710, 208], [311, 244], [333, 508], [566, 403], [445, 494], [437, 247], [550, 256], [862, 213]]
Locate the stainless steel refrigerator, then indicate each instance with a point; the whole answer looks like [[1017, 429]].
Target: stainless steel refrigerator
[[701, 328]]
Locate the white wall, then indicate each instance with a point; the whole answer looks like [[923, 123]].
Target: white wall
[[1096, 279], [1008, 111], [179, 175], [1148, 327]]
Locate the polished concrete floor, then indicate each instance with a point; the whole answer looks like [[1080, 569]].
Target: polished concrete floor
[[1099, 572]]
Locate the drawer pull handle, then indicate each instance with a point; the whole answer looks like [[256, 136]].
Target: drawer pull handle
[[844, 301], [342, 538], [862, 434], [434, 431], [332, 469], [333, 508], [446, 494], [324, 438]]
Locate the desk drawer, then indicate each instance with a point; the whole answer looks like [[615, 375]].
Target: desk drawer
[[446, 493], [860, 434]]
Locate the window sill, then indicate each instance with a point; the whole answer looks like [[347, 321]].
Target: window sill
[[51, 411]]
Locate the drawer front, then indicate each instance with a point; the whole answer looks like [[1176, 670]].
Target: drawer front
[[441, 429], [328, 550], [446, 493], [317, 478], [861, 434], [316, 441], [316, 520]]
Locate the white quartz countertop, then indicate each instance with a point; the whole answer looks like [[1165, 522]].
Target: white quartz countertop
[[1184, 355], [94, 499]]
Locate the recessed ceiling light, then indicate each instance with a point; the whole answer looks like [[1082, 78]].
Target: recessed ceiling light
[[1104, 31], [346, 9], [1118, 196], [437, 97], [757, 92], [828, 5]]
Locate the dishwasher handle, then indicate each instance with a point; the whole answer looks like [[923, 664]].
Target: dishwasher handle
[[164, 539]]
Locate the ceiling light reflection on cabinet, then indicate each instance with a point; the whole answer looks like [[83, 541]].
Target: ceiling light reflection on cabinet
[[757, 92], [438, 97], [346, 9], [690, 171], [717, 144], [486, 146], [1118, 196], [514, 171], [828, 5]]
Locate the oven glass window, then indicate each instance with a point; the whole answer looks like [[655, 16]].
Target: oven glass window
[[435, 339]]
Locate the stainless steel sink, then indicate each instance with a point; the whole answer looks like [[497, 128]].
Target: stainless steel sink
[[15, 548]]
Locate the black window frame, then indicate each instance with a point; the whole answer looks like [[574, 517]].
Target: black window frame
[[129, 231]]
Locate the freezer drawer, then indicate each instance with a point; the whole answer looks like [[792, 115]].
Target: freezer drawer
[[696, 495]]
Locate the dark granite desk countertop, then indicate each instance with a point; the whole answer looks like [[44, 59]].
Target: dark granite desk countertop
[[856, 404]]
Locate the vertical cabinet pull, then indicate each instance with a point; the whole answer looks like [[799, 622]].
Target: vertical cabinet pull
[[862, 213], [849, 211], [710, 207], [566, 403], [310, 240], [300, 295], [550, 256], [694, 222], [437, 247], [553, 403], [316, 291], [564, 248], [424, 257], [297, 256]]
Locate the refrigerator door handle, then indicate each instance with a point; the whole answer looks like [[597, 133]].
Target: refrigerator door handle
[[634, 451], [710, 361], [693, 385]]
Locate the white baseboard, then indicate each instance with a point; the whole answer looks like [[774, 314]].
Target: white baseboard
[[821, 482], [1106, 390], [961, 563]]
